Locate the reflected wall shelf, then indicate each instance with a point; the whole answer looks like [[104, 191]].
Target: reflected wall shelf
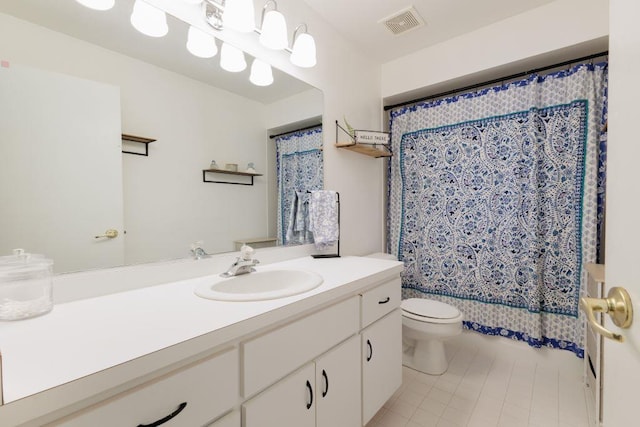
[[228, 172], [138, 139], [373, 150]]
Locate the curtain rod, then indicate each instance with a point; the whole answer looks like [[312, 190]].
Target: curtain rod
[[296, 130], [490, 82]]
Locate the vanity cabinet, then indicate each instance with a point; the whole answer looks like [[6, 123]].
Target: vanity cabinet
[[344, 386], [191, 396], [323, 393], [330, 359]]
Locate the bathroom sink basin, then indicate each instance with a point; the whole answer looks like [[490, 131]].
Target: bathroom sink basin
[[260, 285]]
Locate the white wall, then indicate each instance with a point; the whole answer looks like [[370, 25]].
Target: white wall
[[295, 109], [561, 29], [167, 206]]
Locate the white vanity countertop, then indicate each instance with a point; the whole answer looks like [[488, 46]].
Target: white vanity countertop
[[83, 337]]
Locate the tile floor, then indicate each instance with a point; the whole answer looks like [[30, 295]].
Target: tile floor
[[491, 382]]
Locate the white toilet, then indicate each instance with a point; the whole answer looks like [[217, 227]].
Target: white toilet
[[425, 325]]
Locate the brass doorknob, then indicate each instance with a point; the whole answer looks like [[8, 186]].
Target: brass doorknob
[[110, 234], [617, 305]]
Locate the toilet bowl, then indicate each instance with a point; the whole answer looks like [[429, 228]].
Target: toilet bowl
[[426, 324]]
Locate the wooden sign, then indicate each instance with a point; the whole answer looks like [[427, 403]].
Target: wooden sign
[[371, 137]]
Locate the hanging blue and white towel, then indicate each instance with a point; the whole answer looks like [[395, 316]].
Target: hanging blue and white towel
[[298, 228], [323, 218]]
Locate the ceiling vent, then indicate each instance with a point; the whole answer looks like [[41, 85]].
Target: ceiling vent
[[403, 21]]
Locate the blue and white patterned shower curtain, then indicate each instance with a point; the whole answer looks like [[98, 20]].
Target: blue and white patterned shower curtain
[[299, 167], [493, 203]]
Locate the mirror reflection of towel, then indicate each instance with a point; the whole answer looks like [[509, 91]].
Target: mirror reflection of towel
[[298, 225], [323, 218]]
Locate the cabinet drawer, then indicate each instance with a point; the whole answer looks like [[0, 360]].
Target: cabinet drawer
[[209, 388], [379, 301], [273, 355]]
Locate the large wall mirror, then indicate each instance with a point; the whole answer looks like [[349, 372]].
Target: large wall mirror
[[79, 78]]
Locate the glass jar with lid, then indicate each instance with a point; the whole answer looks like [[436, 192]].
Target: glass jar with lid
[[25, 285]]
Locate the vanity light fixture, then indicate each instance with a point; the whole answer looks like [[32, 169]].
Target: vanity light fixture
[[149, 20], [303, 52], [97, 4], [273, 33], [239, 15], [261, 73], [232, 58], [201, 44]]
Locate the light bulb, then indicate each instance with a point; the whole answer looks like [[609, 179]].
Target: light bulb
[[149, 20], [261, 74], [232, 58], [304, 51], [239, 15], [97, 4], [201, 44], [274, 31]]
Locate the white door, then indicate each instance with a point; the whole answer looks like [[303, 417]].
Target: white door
[[338, 386], [622, 263], [60, 168]]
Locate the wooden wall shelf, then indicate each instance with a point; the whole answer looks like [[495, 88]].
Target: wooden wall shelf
[[368, 150], [228, 172], [138, 139], [371, 150]]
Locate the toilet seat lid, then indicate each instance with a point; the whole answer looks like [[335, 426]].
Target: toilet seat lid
[[429, 308]]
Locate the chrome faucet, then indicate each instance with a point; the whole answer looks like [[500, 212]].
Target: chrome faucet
[[241, 266], [197, 252], [244, 263]]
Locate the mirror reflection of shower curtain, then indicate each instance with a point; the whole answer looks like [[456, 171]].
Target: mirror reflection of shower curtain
[[299, 168], [494, 202]]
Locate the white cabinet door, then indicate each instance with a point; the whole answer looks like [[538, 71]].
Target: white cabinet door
[[291, 402], [338, 384], [381, 363]]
